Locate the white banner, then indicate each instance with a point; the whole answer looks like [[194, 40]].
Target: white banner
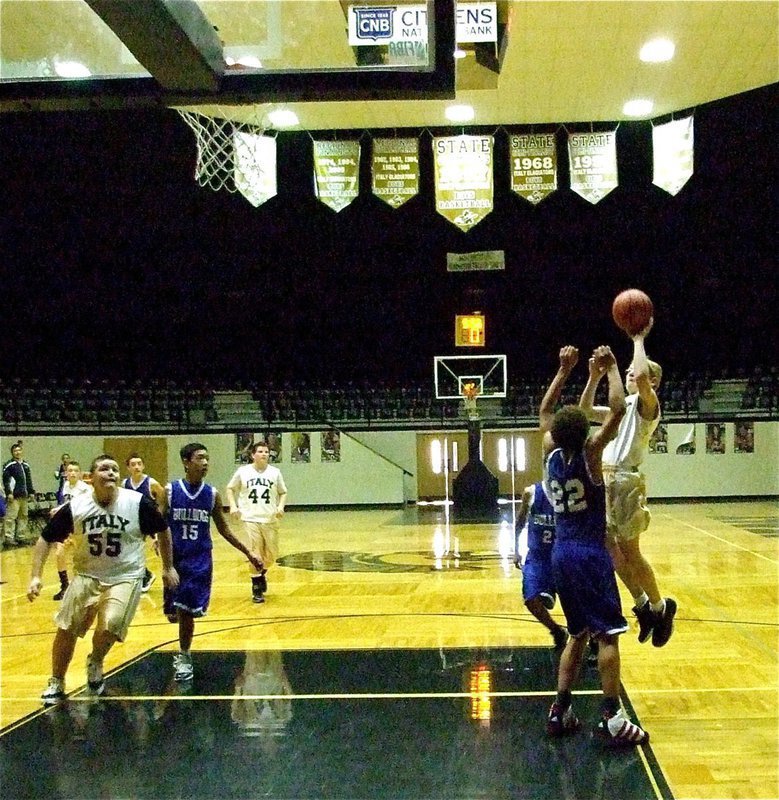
[[672, 146], [373, 25], [254, 166], [463, 178], [337, 172], [593, 160], [533, 160]]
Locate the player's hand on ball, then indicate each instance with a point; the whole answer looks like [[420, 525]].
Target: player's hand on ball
[[642, 334], [34, 589]]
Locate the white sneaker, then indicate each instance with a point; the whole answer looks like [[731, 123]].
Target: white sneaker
[[95, 682], [182, 667], [54, 692]]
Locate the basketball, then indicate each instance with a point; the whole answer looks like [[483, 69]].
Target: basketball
[[632, 310]]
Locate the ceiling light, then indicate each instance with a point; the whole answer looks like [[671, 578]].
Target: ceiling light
[[657, 50], [638, 108], [71, 69], [283, 118], [249, 61], [460, 53], [460, 113]]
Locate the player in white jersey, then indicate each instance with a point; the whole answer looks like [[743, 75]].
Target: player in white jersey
[[72, 487], [627, 514], [257, 495], [108, 526]]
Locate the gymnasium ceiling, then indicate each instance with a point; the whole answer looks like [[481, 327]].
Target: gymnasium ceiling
[[556, 60]]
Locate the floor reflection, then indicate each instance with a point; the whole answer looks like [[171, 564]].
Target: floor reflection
[[446, 723]]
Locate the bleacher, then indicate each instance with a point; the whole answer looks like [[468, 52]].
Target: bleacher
[[41, 404]]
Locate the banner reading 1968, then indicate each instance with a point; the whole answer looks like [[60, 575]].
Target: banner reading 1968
[[395, 173], [593, 158], [533, 160], [463, 178], [336, 173]]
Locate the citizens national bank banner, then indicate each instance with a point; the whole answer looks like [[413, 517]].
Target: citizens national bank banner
[[337, 172], [593, 162], [463, 178]]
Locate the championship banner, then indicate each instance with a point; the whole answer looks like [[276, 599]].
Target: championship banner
[[672, 145], [254, 166], [533, 162], [336, 173], [593, 160], [463, 178], [395, 170]]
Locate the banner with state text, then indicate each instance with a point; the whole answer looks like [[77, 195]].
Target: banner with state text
[[463, 178], [593, 164], [533, 165]]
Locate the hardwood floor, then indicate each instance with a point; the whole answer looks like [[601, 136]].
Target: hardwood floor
[[400, 578]]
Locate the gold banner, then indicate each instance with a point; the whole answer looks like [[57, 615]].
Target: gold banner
[[672, 148], [463, 178], [533, 163], [593, 160], [395, 170], [337, 172], [254, 166]]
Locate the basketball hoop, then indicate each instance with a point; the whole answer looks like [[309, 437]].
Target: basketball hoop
[[234, 156], [470, 392]]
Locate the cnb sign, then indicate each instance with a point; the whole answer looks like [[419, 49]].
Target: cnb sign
[[372, 25]]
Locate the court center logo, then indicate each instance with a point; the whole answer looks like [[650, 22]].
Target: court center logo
[[375, 24], [403, 561]]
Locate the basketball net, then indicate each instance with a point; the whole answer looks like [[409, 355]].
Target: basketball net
[[234, 156], [470, 392]]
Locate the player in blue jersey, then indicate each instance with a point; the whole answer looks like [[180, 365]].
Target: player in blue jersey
[[139, 481], [538, 590], [191, 507], [582, 567]]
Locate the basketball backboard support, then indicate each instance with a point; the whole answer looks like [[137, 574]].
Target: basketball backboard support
[[452, 373]]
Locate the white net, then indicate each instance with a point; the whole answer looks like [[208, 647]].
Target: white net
[[234, 156]]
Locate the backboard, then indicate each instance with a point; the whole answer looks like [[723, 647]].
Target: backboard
[[452, 373]]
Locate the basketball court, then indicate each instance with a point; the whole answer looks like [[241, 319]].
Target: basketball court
[[387, 665]]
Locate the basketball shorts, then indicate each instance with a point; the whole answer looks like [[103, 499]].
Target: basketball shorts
[[587, 587], [627, 514], [263, 541], [537, 575], [112, 604], [193, 593]]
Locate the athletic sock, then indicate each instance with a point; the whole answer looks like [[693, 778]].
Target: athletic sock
[[564, 699], [641, 599], [658, 608], [610, 705], [63, 578]]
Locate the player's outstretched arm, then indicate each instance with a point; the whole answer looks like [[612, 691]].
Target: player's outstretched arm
[[39, 555], [569, 355], [598, 441]]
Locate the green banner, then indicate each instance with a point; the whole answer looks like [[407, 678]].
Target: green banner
[[337, 172], [533, 161], [463, 178], [395, 170]]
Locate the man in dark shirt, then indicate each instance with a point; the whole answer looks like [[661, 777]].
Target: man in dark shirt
[[18, 488]]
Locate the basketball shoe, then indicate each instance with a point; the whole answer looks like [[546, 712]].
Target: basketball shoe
[[647, 619], [95, 682], [561, 723], [617, 730], [182, 667], [664, 626], [54, 692]]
